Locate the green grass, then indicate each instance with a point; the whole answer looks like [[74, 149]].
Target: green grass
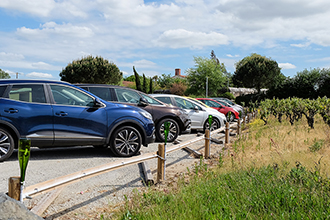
[[259, 177], [263, 193]]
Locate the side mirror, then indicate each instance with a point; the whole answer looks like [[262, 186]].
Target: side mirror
[[143, 102], [196, 108], [97, 103]]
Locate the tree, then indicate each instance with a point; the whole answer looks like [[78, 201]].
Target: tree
[[206, 68], [137, 80], [324, 83], [130, 78], [178, 88], [256, 71], [92, 70], [306, 83], [4, 75], [151, 88], [165, 81], [144, 86]]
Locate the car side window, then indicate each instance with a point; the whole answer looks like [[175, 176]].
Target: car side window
[[185, 104], [151, 100], [103, 93], [28, 93], [166, 100], [212, 104], [125, 95], [2, 90], [69, 96]]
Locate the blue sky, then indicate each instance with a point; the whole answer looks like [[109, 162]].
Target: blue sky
[[38, 38]]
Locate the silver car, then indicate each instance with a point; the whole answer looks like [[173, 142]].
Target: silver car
[[197, 112]]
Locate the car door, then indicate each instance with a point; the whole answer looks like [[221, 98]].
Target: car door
[[195, 112], [76, 121], [26, 107]]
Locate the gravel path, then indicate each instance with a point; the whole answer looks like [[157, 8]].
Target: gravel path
[[88, 198]]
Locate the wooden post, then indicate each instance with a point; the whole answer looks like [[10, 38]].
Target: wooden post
[[207, 144], [161, 163], [227, 133], [14, 187], [238, 127]]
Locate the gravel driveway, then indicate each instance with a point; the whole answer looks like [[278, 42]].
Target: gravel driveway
[[87, 198]]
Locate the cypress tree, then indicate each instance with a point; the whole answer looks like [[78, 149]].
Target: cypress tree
[[137, 80]]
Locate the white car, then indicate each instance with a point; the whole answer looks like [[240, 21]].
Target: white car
[[198, 113]]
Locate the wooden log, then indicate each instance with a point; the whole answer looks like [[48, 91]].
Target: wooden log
[[207, 144], [239, 127], [194, 152], [149, 179], [45, 202], [161, 163], [14, 187], [217, 141], [227, 133]]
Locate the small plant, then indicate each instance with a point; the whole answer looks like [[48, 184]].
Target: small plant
[[220, 160], [317, 145]]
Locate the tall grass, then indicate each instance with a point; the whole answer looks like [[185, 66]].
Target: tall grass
[[277, 171]]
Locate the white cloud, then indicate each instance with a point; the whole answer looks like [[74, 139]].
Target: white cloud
[[180, 38], [39, 75], [40, 8], [11, 56], [144, 64], [232, 56], [300, 45], [286, 66], [51, 30]]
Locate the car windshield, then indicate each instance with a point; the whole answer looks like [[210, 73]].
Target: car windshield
[[198, 102], [151, 100]]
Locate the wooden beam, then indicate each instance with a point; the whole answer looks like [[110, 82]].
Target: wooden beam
[[194, 152], [148, 177], [43, 204]]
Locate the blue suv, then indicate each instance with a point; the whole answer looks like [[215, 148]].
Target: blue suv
[[57, 114]]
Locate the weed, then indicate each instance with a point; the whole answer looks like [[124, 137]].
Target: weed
[[317, 145]]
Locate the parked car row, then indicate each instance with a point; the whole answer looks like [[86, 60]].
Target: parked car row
[[57, 114], [53, 114]]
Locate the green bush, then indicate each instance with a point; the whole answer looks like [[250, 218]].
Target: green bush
[[227, 95]]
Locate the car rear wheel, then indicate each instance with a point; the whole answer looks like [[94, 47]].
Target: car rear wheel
[[214, 126], [172, 133], [126, 141], [7, 144]]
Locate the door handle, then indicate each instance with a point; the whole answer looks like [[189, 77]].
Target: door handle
[[11, 110], [61, 113]]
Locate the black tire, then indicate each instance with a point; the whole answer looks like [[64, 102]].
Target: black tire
[[214, 126], [231, 118], [173, 132], [7, 144], [125, 141]]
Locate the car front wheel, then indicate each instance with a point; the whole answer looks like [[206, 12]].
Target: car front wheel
[[214, 126], [126, 141], [230, 116], [172, 133], [7, 144]]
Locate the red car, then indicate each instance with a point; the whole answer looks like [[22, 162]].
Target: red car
[[221, 108]]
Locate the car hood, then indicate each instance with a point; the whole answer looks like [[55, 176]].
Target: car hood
[[214, 112]]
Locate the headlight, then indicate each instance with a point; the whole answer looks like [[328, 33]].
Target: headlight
[[146, 114]]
